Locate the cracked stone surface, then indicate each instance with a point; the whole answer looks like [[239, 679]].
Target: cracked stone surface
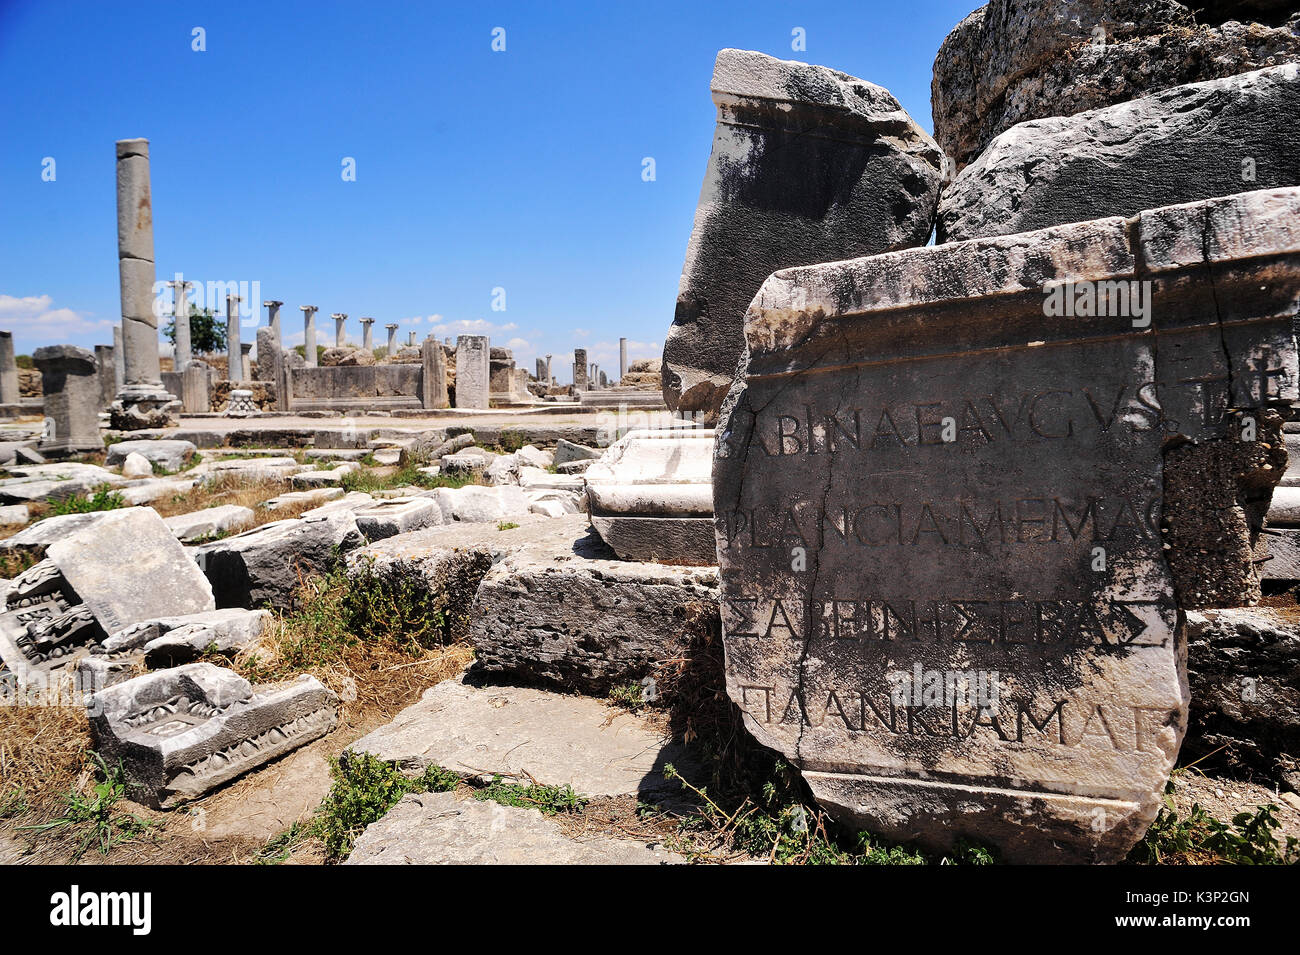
[[1010, 532], [1187, 143], [1016, 60]]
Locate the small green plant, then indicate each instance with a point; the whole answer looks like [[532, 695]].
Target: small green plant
[[1247, 840], [101, 827], [506, 525], [630, 697], [511, 440], [104, 499], [279, 848], [549, 799], [364, 789]]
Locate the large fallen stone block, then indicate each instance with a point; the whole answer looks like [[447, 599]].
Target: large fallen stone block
[[808, 165], [477, 505], [1243, 669], [1190, 142], [399, 515], [563, 614], [54, 482], [37, 538], [100, 577], [169, 641], [1017, 60], [526, 735], [208, 522], [650, 496], [170, 454], [181, 732], [448, 829], [265, 566], [942, 509]]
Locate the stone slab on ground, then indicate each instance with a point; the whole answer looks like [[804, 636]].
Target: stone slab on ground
[[451, 829], [265, 564], [209, 521], [395, 516], [184, 731], [524, 734], [170, 454], [563, 614], [39, 536]]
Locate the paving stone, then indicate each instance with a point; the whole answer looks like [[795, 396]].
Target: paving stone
[[447, 829]]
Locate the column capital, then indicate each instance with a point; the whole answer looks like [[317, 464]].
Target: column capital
[[272, 304]]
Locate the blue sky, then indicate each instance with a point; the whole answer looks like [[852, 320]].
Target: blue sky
[[475, 170]]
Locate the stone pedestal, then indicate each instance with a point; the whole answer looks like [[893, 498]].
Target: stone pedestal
[[268, 354], [108, 383], [472, 375], [9, 394], [142, 402], [580, 369], [70, 379], [196, 388], [433, 381]]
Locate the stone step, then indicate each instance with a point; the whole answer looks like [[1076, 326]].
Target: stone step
[[527, 735]]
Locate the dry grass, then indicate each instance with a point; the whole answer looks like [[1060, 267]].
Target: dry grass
[[42, 758]]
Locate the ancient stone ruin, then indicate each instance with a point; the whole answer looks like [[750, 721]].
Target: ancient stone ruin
[[955, 516]]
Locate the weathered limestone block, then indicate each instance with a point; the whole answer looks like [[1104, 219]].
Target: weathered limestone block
[[170, 454], [136, 466], [224, 630], [567, 615], [650, 496], [182, 732], [70, 377], [1186, 143], [944, 586], [567, 452], [36, 539], [447, 829], [808, 165], [1243, 668], [208, 522], [96, 579], [1017, 60], [472, 375], [263, 566], [399, 515], [475, 504], [525, 734]]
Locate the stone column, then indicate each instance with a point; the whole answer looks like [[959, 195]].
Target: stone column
[[549, 379], [142, 402], [309, 333], [273, 320], [108, 383], [472, 373], [410, 339], [8, 370], [622, 359], [592, 379], [246, 361], [392, 340], [181, 318], [580, 369], [433, 379], [367, 339], [196, 382], [234, 354], [72, 395], [268, 354], [540, 368], [340, 328]]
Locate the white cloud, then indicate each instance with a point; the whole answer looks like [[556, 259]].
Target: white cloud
[[34, 323]]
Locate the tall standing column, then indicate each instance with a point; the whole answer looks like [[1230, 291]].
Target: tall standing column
[[273, 319], [592, 380], [580, 369], [549, 379], [309, 333], [143, 401], [340, 328], [367, 339], [392, 340], [622, 359], [234, 354], [181, 319], [119, 359], [472, 371], [8, 370]]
